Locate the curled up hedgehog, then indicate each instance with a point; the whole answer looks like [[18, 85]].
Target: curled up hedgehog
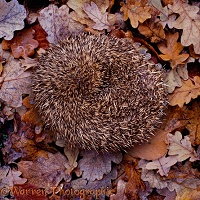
[[98, 93]]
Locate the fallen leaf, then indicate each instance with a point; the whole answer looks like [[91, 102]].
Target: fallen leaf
[[94, 165], [134, 184], [8, 178], [180, 147], [72, 155], [171, 50], [120, 191], [31, 116], [101, 186], [173, 78], [154, 149], [23, 44], [152, 30], [188, 20], [192, 113], [45, 172], [40, 36], [58, 23], [11, 18], [14, 81], [188, 194], [135, 12], [169, 21], [190, 90], [101, 20], [163, 164], [156, 4], [157, 147], [78, 13]]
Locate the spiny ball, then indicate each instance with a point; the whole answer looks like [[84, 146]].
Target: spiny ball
[[98, 93]]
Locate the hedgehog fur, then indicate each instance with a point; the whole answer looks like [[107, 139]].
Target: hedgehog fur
[[98, 93]]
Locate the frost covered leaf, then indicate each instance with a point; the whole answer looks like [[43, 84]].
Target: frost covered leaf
[[12, 16], [106, 181], [94, 165], [14, 81], [190, 90], [173, 79], [9, 177], [120, 191], [181, 147], [46, 171], [189, 21], [172, 50], [163, 164], [152, 30], [101, 20], [58, 23], [135, 12]]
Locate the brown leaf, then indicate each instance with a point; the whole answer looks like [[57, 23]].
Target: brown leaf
[[14, 82], [193, 116], [180, 147], [46, 171], [136, 12], [120, 191], [101, 20], [152, 30], [188, 20], [190, 90], [23, 44], [61, 20], [8, 178], [163, 164], [94, 165], [40, 36], [156, 147], [31, 116], [134, 183], [171, 50]]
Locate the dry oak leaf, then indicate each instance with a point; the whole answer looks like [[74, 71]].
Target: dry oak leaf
[[134, 183], [94, 165], [57, 22], [173, 78], [152, 30], [9, 177], [120, 191], [193, 116], [190, 90], [14, 82], [101, 20], [163, 164], [12, 16], [78, 14], [135, 12], [45, 171], [171, 50], [189, 21], [31, 116], [181, 147], [23, 44]]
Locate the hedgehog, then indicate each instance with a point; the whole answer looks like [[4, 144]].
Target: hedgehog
[[98, 92]]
